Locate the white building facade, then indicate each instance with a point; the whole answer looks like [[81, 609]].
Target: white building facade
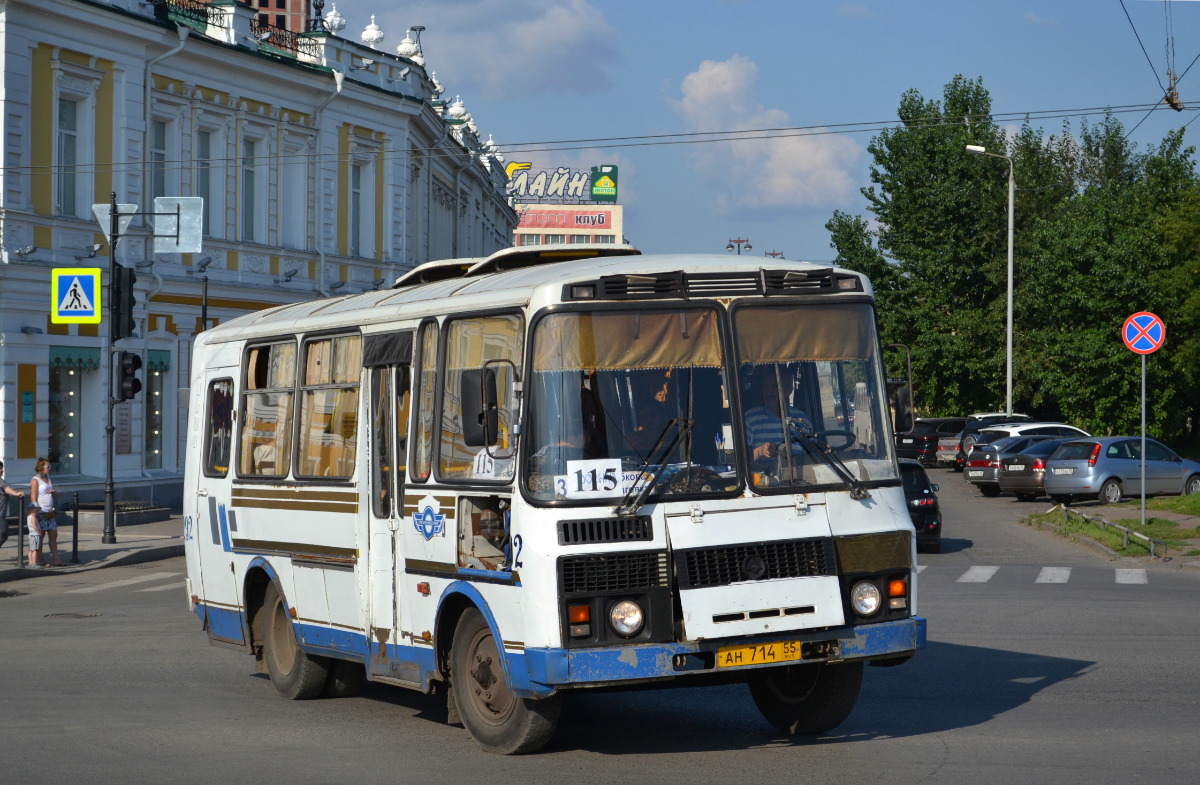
[[326, 166]]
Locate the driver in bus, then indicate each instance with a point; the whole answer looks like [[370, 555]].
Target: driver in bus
[[764, 421]]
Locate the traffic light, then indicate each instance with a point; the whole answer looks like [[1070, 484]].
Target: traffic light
[[130, 384], [123, 279]]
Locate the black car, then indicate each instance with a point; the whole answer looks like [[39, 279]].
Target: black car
[[921, 496], [1025, 474], [921, 443]]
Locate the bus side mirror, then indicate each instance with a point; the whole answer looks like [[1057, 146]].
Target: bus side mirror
[[477, 391], [904, 410]]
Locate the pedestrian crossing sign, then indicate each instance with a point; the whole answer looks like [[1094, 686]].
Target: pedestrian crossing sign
[[75, 295]]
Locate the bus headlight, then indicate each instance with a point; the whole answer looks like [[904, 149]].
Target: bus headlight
[[865, 598], [626, 618]]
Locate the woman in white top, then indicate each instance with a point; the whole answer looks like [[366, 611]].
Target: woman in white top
[[42, 515]]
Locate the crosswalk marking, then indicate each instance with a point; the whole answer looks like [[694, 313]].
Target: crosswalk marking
[[167, 587], [1131, 576], [1054, 575], [978, 575], [127, 582]]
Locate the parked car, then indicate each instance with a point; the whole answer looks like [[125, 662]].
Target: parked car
[[1111, 467], [921, 443], [983, 465], [1024, 474], [975, 423], [923, 507]]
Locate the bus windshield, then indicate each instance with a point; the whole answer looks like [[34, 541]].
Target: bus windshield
[[624, 399], [617, 397], [813, 396]]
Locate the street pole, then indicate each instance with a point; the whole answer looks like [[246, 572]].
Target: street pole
[[110, 530], [204, 303], [739, 242], [1012, 190]]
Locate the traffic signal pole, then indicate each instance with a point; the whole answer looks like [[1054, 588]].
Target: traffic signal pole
[[110, 525]]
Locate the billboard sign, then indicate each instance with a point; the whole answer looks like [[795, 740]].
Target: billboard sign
[[604, 183], [561, 184]]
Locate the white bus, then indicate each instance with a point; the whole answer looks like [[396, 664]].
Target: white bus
[[551, 469]]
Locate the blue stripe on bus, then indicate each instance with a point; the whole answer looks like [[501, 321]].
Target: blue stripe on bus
[[224, 525], [223, 623]]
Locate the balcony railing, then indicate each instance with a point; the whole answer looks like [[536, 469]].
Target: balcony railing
[[196, 15], [281, 39]]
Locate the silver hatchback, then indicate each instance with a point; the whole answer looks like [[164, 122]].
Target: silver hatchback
[[1111, 467]]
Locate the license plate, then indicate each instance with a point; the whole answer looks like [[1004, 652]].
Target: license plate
[[906, 441], [1064, 470], [974, 474], [1016, 467], [758, 654]]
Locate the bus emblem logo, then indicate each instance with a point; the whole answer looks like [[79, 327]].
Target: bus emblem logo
[[429, 523]]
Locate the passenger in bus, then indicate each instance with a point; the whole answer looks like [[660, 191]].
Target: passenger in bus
[[764, 420]]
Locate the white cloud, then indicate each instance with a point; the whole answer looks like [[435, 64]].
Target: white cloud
[[501, 49], [778, 174]]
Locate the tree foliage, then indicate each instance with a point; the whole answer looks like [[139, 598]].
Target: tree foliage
[[1101, 232]]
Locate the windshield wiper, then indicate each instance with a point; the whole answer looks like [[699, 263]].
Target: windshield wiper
[[628, 507], [821, 450]]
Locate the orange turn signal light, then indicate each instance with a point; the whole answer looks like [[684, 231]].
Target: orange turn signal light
[[579, 614], [897, 588]]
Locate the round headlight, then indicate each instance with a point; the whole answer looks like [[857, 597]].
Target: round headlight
[[626, 618], [865, 598]]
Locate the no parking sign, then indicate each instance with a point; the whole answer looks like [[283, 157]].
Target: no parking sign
[[1143, 333]]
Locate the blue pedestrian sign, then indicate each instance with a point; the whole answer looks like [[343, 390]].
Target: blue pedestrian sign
[[1143, 333], [75, 295]]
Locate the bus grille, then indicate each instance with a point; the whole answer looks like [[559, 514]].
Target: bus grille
[[601, 530], [755, 562], [654, 286], [613, 572]]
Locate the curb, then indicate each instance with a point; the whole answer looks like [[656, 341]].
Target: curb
[[1096, 545], [117, 559]]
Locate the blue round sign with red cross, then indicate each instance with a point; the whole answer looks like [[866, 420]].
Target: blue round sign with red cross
[[1144, 333]]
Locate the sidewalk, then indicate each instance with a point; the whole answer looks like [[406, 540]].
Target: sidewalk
[[135, 543]]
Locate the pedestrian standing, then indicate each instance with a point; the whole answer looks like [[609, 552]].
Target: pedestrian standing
[[6, 490], [42, 514]]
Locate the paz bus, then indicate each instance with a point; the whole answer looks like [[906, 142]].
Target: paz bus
[[551, 469]]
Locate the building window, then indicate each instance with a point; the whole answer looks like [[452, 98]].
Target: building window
[[66, 397], [209, 156], [293, 198], [249, 191], [356, 216], [555, 238], [581, 238], [68, 157], [204, 178], [158, 159], [604, 238], [153, 451], [531, 239]]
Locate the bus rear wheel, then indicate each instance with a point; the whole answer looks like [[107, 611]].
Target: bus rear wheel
[[296, 674], [497, 719], [806, 699]]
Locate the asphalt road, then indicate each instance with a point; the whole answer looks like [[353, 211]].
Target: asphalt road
[[1056, 666]]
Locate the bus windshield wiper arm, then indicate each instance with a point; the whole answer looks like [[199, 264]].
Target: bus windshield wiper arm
[[627, 507], [821, 450]]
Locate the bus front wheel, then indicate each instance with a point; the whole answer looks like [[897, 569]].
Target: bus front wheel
[[497, 719], [806, 699], [296, 674]]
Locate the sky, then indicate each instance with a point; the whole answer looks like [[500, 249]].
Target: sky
[[662, 76]]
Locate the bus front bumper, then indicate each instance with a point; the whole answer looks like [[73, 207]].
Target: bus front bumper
[[551, 669]]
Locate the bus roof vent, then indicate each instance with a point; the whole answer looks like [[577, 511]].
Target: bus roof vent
[[797, 281]]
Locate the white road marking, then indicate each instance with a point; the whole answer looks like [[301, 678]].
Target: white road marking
[[921, 568], [1131, 576], [168, 587], [1054, 575], [127, 582], [978, 575]]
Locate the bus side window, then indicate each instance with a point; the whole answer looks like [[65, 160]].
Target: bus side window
[[265, 437], [389, 420], [329, 407], [218, 428]]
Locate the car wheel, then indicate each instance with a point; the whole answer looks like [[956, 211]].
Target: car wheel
[[1192, 485], [990, 491], [1110, 492]]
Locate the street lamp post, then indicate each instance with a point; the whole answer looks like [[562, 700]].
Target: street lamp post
[[1012, 189], [201, 267], [739, 242]]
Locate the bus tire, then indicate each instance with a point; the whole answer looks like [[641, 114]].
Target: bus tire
[[497, 719], [806, 699], [345, 680], [296, 674]]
